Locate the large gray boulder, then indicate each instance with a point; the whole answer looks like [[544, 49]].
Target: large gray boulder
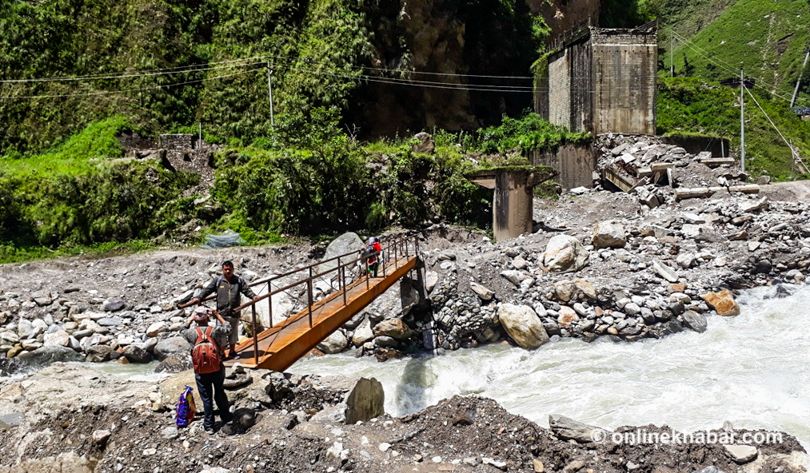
[[171, 346], [523, 325], [347, 243], [336, 342], [49, 354], [564, 253], [366, 401], [394, 328], [609, 235]]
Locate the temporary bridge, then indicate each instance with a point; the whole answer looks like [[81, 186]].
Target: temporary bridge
[[279, 346]]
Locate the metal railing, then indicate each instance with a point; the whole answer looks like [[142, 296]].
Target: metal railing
[[342, 272]]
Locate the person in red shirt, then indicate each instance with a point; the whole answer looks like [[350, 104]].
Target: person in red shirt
[[373, 253]]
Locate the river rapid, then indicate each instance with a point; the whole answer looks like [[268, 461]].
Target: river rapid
[[751, 370]]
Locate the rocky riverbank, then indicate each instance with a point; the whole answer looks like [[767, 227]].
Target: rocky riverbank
[[72, 417], [600, 264]]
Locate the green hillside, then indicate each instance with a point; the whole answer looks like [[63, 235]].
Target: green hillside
[[715, 38]]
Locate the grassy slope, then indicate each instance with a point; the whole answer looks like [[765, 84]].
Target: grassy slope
[[767, 38]]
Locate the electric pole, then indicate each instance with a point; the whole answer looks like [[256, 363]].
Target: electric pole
[[742, 121], [671, 53], [270, 91], [799, 80]]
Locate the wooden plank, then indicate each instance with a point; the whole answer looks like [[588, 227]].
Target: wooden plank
[[716, 162]]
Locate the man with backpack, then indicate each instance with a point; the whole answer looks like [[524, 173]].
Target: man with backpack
[[228, 287], [209, 372], [372, 254]]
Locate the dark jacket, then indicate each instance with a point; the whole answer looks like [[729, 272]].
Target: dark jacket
[[227, 293]]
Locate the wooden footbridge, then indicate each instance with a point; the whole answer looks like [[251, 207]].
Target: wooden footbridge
[[279, 346]]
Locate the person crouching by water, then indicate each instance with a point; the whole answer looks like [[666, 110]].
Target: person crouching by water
[[228, 287], [209, 372]]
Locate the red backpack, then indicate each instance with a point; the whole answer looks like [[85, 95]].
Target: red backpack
[[205, 354]]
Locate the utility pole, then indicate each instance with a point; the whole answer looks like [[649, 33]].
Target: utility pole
[[270, 91], [199, 137], [799, 80], [671, 53], [742, 121]]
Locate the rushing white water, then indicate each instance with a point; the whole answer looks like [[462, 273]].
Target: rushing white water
[[752, 370]]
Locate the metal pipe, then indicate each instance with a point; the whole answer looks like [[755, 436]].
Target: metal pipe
[[368, 282], [270, 304]]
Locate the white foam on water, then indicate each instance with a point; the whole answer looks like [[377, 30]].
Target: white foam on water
[[752, 370]]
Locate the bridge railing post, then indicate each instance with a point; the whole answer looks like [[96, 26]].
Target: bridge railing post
[[368, 275], [342, 272], [255, 333], [309, 296], [270, 302]]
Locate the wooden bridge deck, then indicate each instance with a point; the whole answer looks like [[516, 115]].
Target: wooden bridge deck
[[281, 346]]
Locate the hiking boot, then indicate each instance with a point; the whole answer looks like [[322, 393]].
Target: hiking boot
[[209, 430]]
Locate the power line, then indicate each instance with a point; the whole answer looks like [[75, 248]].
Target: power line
[[188, 69], [793, 151], [727, 67], [132, 89]]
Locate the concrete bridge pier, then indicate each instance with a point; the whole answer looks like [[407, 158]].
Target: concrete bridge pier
[[513, 199]]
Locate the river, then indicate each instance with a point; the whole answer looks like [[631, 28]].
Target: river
[[751, 370]]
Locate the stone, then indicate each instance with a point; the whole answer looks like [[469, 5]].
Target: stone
[[394, 328], [431, 279], [741, 454], [538, 466], [483, 293], [336, 342], [25, 329], [585, 288], [609, 235], [100, 437], [694, 320], [51, 354], [385, 342], [365, 401], [362, 334], [722, 302], [754, 206], [174, 363], [424, 143], [665, 271], [523, 325], [113, 305], [566, 428], [156, 328], [567, 316], [169, 433], [58, 338], [514, 276], [564, 290], [564, 253], [170, 346], [499, 464], [349, 242], [685, 260], [136, 354]]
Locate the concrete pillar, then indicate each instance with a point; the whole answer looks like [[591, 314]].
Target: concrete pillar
[[512, 203]]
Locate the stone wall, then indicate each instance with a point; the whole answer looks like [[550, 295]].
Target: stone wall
[[574, 163], [601, 81]]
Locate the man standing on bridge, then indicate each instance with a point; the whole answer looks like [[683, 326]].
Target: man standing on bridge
[[228, 287]]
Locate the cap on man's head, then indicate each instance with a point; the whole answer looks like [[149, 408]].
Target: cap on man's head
[[227, 262], [201, 313]]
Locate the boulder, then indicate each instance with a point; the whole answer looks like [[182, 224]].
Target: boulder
[[336, 342], [365, 401], [514, 276], [722, 302], [567, 316], [664, 271], [347, 243], [565, 290], [136, 354], [394, 328], [564, 253], [47, 355], [58, 338], [362, 334], [156, 328], [609, 235], [741, 454], [522, 325], [483, 293], [694, 320], [431, 279], [175, 363], [171, 346], [568, 429], [424, 143], [113, 305]]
